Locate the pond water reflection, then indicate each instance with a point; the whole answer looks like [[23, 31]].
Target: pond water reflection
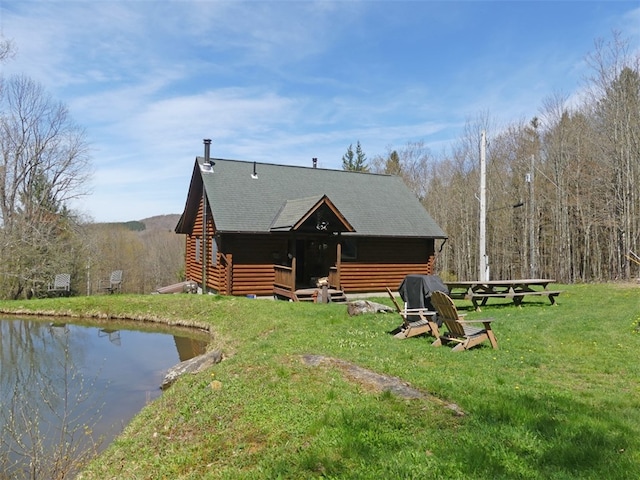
[[65, 386]]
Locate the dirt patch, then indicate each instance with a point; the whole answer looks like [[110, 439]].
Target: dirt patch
[[378, 382]]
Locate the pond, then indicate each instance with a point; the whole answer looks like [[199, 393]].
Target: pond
[[66, 390]]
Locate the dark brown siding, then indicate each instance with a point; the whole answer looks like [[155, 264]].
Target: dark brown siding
[[394, 250], [255, 249]]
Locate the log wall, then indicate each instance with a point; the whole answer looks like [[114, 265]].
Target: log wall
[[193, 270], [374, 277]]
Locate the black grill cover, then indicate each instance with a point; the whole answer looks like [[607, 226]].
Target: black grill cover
[[416, 290]]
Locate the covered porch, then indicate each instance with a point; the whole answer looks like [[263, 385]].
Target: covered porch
[[286, 288], [313, 260]]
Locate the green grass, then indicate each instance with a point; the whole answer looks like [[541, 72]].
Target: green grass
[[560, 399]]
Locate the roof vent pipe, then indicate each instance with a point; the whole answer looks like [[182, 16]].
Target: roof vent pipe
[[207, 165], [254, 175], [207, 150], [315, 162]]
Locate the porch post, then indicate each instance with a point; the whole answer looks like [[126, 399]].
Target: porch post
[[229, 273], [294, 262], [339, 262]]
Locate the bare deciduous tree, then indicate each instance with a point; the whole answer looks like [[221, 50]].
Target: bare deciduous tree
[[7, 49], [44, 163], [615, 97]]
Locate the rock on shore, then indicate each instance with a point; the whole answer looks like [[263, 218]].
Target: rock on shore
[[193, 365]]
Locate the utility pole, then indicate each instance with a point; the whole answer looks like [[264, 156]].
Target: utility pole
[[483, 269]]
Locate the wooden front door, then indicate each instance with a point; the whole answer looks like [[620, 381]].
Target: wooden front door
[[314, 257]]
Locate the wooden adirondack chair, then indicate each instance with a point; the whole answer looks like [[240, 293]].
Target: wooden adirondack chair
[[415, 321], [61, 284], [114, 284], [418, 321], [459, 330]]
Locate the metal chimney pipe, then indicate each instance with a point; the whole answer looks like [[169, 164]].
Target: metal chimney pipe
[[207, 150], [315, 162]]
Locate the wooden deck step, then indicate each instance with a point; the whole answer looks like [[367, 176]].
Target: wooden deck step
[[309, 294]]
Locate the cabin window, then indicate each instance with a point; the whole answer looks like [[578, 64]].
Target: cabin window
[[349, 249], [198, 254], [214, 252]]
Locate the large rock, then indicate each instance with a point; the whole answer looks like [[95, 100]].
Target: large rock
[[358, 307], [193, 365]]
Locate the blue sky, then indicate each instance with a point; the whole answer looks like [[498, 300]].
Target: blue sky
[[282, 82]]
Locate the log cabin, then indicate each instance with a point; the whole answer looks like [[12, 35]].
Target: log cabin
[[263, 229]]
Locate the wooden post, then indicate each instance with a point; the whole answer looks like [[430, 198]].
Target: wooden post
[[292, 284], [229, 273], [339, 263]]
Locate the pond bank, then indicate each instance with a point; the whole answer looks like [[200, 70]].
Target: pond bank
[[81, 380], [105, 316]]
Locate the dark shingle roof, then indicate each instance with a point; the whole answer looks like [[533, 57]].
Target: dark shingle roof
[[292, 211], [375, 205]]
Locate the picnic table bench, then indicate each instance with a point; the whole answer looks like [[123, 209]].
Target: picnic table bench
[[480, 291]]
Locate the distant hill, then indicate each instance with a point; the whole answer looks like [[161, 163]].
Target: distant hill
[[159, 222]]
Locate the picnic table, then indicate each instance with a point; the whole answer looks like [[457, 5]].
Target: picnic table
[[480, 291]]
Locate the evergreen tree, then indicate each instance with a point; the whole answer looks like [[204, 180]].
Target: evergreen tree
[[355, 162], [392, 164], [348, 159]]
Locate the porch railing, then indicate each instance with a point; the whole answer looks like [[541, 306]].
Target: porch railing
[[284, 283], [284, 277], [334, 278]]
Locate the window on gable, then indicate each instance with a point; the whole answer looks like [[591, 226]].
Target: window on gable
[[198, 251]]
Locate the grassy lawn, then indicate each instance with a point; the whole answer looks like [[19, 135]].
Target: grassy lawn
[[559, 399]]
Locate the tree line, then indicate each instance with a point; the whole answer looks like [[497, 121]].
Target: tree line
[[562, 187]]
